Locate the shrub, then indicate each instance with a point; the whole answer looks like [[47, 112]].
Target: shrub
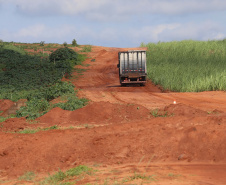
[[87, 48], [35, 108], [65, 44], [24, 72], [63, 54], [72, 104], [74, 42], [52, 92], [42, 43]]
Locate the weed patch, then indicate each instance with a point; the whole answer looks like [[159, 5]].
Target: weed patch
[[28, 176], [172, 175], [137, 176], [63, 177], [87, 48], [158, 113], [32, 131]]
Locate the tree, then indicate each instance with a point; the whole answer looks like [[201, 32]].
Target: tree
[[65, 44], [42, 43], [63, 54], [74, 42]]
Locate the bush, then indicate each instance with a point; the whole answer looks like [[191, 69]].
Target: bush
[[24, 72], [52, 92], [65, 44], [42, 43], [74, 43], [63, 54], [35, 108], [72, 104], [87, 48]]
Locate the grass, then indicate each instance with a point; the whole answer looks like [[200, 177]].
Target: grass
[[28, 176], [187, 66], [172, 175], [158, 113], [2, 119], [138, 176], [87, 48], [32, 131], [61, 177]]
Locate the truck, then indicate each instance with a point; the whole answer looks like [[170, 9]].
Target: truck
[[132, 67]]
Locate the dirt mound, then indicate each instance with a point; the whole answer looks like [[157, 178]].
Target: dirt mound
[[133, 142], [10, 107], [96, 113], [5, 104], [14, 125], [55, 116], [184, 110]]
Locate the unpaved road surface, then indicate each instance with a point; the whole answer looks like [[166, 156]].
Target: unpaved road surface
[[122, 134]]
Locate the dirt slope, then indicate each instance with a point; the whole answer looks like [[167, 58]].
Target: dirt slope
[[121, 130]]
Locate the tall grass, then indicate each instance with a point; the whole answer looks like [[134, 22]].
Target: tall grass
[[187, 66]]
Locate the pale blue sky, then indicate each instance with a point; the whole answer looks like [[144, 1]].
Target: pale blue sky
[[113, 23]]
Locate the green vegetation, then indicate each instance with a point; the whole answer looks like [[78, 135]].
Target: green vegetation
[[61, 177], [28, 176], [173, 175], [74, 43], [187, 66], [38, 103], [64, 58], [2, 119], [24, 72], [139, 176], [72, 103], [87, 48], [38, 79], [65, 44], [158, 113], [42, 43], [32, 131]]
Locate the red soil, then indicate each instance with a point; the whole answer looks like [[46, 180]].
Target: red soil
[[119, 131], [5, 105]]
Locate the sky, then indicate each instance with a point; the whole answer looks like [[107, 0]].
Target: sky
[[111, 23]]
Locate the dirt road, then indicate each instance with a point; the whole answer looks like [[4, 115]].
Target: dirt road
[[121, 133]]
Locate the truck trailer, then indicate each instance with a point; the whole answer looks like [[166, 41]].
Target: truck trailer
[[132, 67]]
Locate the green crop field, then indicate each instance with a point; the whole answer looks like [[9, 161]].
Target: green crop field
[[38, 78], [187, 66]]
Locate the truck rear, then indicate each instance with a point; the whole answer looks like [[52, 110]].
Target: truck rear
[[132, 67]]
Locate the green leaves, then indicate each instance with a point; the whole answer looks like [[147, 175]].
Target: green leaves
[[35, 108], [63, 54], [20, 72], [73, 103], [38, 80], [187, 66]]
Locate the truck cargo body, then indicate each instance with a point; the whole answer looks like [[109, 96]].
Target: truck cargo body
[[132, 67]]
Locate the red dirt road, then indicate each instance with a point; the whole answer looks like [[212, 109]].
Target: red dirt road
[[117, 134]]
